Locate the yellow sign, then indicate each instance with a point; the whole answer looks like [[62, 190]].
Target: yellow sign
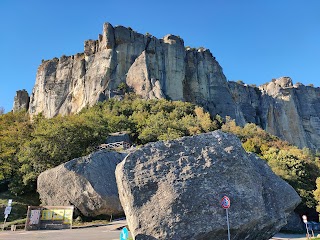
[[67, 216], [58, 214], [46, 215]]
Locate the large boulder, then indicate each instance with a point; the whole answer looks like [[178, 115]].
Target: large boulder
[[88, 183], [294, 223], [172, 190]]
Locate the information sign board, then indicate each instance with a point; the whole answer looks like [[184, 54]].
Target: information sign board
[[7, 211], [49, 217]]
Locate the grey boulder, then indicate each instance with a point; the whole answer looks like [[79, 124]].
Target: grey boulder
[[173, 189], [88, 183], [294, 223]]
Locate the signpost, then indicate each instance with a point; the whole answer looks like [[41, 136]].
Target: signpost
[[225, 203], [7, 211], [124, 234]]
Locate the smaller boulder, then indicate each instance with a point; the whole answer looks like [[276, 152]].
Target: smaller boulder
[[88, 183]]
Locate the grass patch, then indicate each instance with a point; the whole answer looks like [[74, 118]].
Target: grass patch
[[15, 222], [91, 223]]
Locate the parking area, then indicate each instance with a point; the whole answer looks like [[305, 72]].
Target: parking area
[[108, 232]]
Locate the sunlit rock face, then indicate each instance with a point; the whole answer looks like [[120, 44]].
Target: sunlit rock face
[[151, 67], [88, 183], [21, 101], [291, 112], [172, 190], [165, 68]]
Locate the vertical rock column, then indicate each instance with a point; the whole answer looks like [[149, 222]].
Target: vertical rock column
[[21, 101], [174, 53]]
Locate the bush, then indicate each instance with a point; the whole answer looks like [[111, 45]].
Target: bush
[[298, 167]]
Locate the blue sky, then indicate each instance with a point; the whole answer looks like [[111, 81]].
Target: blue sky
[[254, 41]]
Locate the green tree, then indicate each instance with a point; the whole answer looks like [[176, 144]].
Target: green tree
[[298, 167], [58, 140], [15, 130], [317, 194]]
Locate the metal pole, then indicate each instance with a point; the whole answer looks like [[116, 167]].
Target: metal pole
[[228, 224], [5, 219]]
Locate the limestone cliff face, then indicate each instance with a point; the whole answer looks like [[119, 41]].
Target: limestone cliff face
[[206, 85], [21, 101], [153, 68], [291, 112], [164, 68], [68, 84]]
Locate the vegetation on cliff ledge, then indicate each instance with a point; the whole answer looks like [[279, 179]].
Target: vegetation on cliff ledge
[[28, 148]]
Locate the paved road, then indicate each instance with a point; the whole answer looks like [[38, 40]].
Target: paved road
[[107, 232]]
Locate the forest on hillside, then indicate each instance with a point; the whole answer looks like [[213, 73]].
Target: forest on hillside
[[29, 147]]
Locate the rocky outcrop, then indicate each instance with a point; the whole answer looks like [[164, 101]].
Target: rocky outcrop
[[88, 183], [165, 68], [172, 190], [153, 68], [248, 101], [21, 101], [291, 112]]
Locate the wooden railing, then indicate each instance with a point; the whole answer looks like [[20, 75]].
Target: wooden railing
[[115, 145]]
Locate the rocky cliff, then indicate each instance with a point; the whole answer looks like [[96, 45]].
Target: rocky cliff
[[153, 68], [291, 112], [165, 68], [21, 101]]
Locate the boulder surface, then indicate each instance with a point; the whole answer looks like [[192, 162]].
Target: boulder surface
[[88, 183], [173, 189]]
